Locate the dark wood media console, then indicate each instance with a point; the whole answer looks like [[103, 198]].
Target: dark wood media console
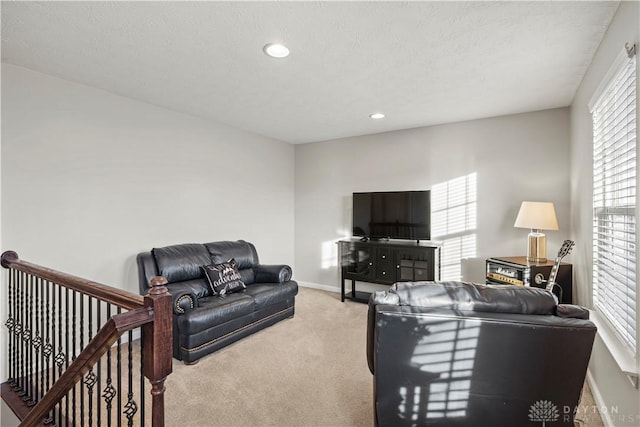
[[386, 262]]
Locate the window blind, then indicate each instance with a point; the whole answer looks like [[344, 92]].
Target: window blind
[[614, 201], [453, 221]]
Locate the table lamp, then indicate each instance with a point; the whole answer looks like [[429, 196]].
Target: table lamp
[[537, 216]]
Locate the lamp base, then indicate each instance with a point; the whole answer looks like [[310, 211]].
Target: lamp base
[[537, 249]]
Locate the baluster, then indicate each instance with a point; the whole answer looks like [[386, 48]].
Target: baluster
[[66, 350], [31, 401], [26, 335], [74, 331], [25, 339], [130, 408], [119, 374], [48, 348], [32, 373], [99, 368], [82, 333], [90, 379], [16, 322], [25, 345], [18, 335], [17, 329], [54, 342], [42, 333], [18, 332], [10, 323], [109, 391], [22, 310], [36, 342], [53, 333], [33, 340], [59, 358]]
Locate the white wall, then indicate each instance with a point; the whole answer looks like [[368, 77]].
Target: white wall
[[608, 381], [89, 179], [518, 157]]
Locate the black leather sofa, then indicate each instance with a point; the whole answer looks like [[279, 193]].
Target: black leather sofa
[[203, 323], [462, 354]]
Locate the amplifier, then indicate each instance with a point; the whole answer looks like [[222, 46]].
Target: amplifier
[[518, 271]]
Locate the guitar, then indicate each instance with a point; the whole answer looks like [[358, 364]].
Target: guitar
[[565, 249]]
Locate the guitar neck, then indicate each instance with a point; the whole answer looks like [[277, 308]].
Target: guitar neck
[[564, 251], [553, 274]]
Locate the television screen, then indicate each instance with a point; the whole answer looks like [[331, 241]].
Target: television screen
[[392, 214]]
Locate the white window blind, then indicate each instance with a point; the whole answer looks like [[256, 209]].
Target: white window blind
[[614, 200], [453, 221]]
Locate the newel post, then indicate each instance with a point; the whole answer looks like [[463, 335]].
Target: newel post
[[158, 342]]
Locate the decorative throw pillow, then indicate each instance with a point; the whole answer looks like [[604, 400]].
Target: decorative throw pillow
[[224, 278]]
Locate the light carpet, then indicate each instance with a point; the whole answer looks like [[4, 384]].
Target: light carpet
[[310, 370]]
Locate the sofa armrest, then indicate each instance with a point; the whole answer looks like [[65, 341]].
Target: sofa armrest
[[147, 270], [184, 299], [572, 311], [272, 273]]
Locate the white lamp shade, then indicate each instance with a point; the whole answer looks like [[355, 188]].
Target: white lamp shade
[[537, 216]]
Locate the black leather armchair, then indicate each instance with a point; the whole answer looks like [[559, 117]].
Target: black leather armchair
[[462, 354], [203, 323]]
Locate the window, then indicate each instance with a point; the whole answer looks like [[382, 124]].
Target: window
[[453, 221], [614, 199]]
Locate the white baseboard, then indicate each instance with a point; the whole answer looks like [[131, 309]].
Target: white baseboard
[[599, 401], [321, 287]]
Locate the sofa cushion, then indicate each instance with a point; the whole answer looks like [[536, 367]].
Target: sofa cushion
[[214, 311], [265, 294], [469, 296], [224, 278], [243, 252], [181, 262]]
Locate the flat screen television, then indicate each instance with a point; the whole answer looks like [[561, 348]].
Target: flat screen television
[[392, 215]]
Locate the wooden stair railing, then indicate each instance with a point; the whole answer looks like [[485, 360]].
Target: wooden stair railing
[[32, 326]]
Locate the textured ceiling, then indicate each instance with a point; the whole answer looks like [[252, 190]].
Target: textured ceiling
[[421, 63]]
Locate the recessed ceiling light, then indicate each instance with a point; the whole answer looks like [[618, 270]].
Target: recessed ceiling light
[[276, 50], [376, 115]]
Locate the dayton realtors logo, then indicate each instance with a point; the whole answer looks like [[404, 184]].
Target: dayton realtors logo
[[544, 411]]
